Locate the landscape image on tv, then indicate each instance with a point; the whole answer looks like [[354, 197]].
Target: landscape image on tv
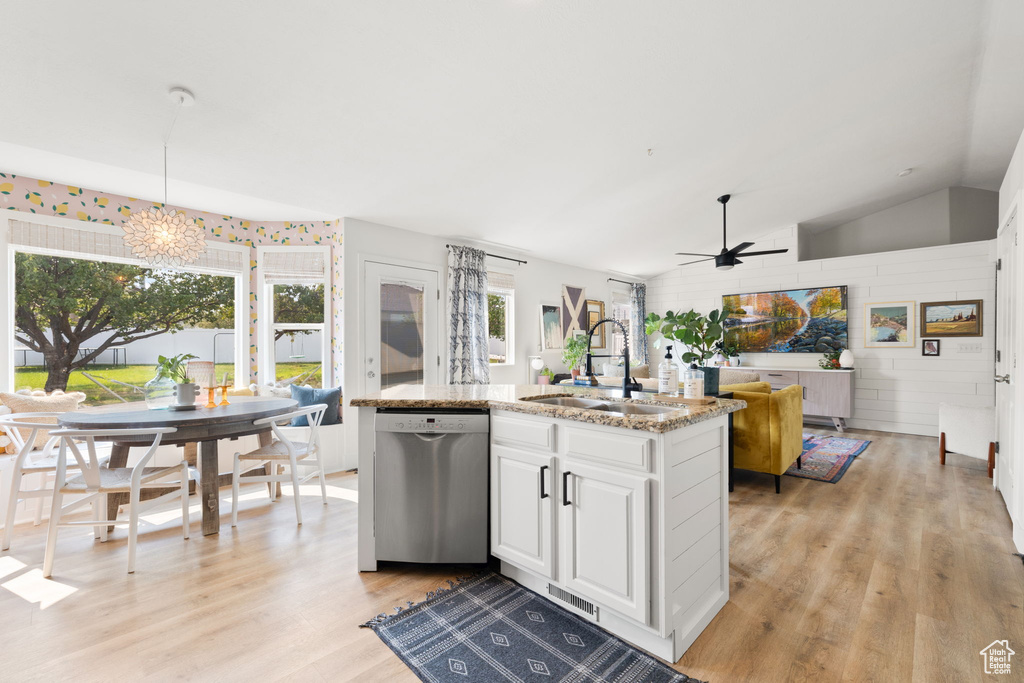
[[790, 321]]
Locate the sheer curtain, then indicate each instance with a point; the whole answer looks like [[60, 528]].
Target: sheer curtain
[[638, 304], [468, 358]]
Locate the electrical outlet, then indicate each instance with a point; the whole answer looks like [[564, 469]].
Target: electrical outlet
[[969, 348]]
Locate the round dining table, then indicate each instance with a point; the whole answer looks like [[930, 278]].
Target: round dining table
[[203, 426]]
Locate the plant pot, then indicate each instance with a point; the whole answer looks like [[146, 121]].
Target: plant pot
[[575, 372], [734, 362], [543, 379], [185, 394], [711, 380]]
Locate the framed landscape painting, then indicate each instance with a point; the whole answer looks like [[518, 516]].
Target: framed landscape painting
[[889, 324], [951, 318]]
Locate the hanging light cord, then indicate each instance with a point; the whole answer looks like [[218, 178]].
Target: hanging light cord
[[167, 137]]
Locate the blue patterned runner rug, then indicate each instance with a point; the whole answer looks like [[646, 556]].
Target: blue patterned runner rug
[[489, 628]]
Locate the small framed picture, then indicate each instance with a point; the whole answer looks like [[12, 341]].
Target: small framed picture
[[595, 312], [929, 347]]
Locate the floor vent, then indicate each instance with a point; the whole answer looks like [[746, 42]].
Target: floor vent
[[574, 601]]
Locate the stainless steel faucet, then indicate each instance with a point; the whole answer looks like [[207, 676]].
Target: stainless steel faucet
[[629, 384]]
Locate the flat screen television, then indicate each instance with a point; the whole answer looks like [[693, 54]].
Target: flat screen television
[[787, 321]]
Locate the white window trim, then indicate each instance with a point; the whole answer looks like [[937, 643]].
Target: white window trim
[[241, 354], [510, 321], [265, 313]]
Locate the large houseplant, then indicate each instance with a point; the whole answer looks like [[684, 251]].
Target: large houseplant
[[574, 351], [698, 332]]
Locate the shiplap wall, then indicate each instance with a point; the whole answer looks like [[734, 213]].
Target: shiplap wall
[[897, 390]]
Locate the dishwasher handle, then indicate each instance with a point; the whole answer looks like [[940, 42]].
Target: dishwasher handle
[[428, 436]]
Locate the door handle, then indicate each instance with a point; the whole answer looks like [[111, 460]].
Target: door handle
[[543, 494], [565, 488], [1003, 378]]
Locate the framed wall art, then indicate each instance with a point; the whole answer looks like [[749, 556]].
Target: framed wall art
[[889, 324], [951, 318], [550, 327], [595, 312]]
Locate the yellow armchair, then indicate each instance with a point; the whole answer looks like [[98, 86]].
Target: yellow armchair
[[768, 433]]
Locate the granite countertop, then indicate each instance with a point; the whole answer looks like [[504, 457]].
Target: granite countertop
[[516, 398]]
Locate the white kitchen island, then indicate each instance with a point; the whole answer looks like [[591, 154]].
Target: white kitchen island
[[620, 518]]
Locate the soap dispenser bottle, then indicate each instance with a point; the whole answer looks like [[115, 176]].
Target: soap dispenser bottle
[[668, 376]]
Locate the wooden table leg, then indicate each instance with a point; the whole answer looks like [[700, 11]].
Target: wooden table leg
[[118, 458], [209, 487]]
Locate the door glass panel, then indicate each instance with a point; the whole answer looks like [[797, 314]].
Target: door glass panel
[[401, 334]]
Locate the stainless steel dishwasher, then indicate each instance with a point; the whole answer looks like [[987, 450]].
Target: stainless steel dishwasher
[[431, 486]]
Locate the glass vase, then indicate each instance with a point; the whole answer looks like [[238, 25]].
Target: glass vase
[[159, 393]]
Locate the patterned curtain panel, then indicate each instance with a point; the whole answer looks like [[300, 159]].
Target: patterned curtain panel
[[468, 361], [638, 343]]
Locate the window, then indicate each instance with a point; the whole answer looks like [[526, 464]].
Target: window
[[293, 311], [623, 312], [88, 316], [500, 317]]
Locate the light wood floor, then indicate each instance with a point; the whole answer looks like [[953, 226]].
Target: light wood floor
[[901, 571]]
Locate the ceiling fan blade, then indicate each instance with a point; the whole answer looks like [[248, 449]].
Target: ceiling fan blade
[[736, 262], [740, 247], [763, 253], [690, 253], [689, 263]]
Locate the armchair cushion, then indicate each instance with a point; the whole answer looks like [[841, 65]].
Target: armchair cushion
[[768, 433], [57, 402]]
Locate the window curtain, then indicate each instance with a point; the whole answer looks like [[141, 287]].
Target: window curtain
[[638, 304], [468, 360]]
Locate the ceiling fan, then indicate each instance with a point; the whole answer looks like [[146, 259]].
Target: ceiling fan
[[726, 259]]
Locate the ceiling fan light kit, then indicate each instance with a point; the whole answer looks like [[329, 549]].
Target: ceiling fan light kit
[[727, 258]]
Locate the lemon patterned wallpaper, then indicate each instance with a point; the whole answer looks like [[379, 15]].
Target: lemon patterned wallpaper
[[53, 199]]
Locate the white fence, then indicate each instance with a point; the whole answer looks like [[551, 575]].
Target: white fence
[[304, 348]]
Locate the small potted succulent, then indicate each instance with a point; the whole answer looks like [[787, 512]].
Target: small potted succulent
[[546, 376]]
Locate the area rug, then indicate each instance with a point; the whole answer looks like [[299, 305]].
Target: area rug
[[489, 628], [826, 458]]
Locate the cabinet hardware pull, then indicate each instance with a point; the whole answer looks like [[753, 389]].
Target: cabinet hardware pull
[[805, 392], [773, 375], [565, 488], [543, 493]]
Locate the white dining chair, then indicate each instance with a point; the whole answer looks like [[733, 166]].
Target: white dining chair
[[283, 451], [40, 464], [95, 483]]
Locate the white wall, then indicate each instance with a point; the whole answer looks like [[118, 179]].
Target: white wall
[[537, 281], [897, 390], [949, 216]]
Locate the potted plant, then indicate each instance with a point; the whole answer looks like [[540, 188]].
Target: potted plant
[[830, 361], [175, 370], [729, 351], [698, 333], [546, 376], [574, 351]]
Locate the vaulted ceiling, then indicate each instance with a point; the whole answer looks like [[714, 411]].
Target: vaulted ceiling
[[520, 122]]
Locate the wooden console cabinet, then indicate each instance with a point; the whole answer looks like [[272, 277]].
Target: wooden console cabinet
[[827, 393]]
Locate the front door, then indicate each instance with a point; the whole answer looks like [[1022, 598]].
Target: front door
[[400, 331], [1008, 457]]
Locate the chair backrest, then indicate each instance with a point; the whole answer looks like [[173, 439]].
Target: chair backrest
[[88, 462], [24, 428], [314, 416]]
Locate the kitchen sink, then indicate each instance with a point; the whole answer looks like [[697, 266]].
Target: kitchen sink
[[573, 402], [604, 406]]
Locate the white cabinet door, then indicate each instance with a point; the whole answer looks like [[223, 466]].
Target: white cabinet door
[[604, 532], [522, 486]]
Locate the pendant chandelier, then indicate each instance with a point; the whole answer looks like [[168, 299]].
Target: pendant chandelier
[[162, 236]]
